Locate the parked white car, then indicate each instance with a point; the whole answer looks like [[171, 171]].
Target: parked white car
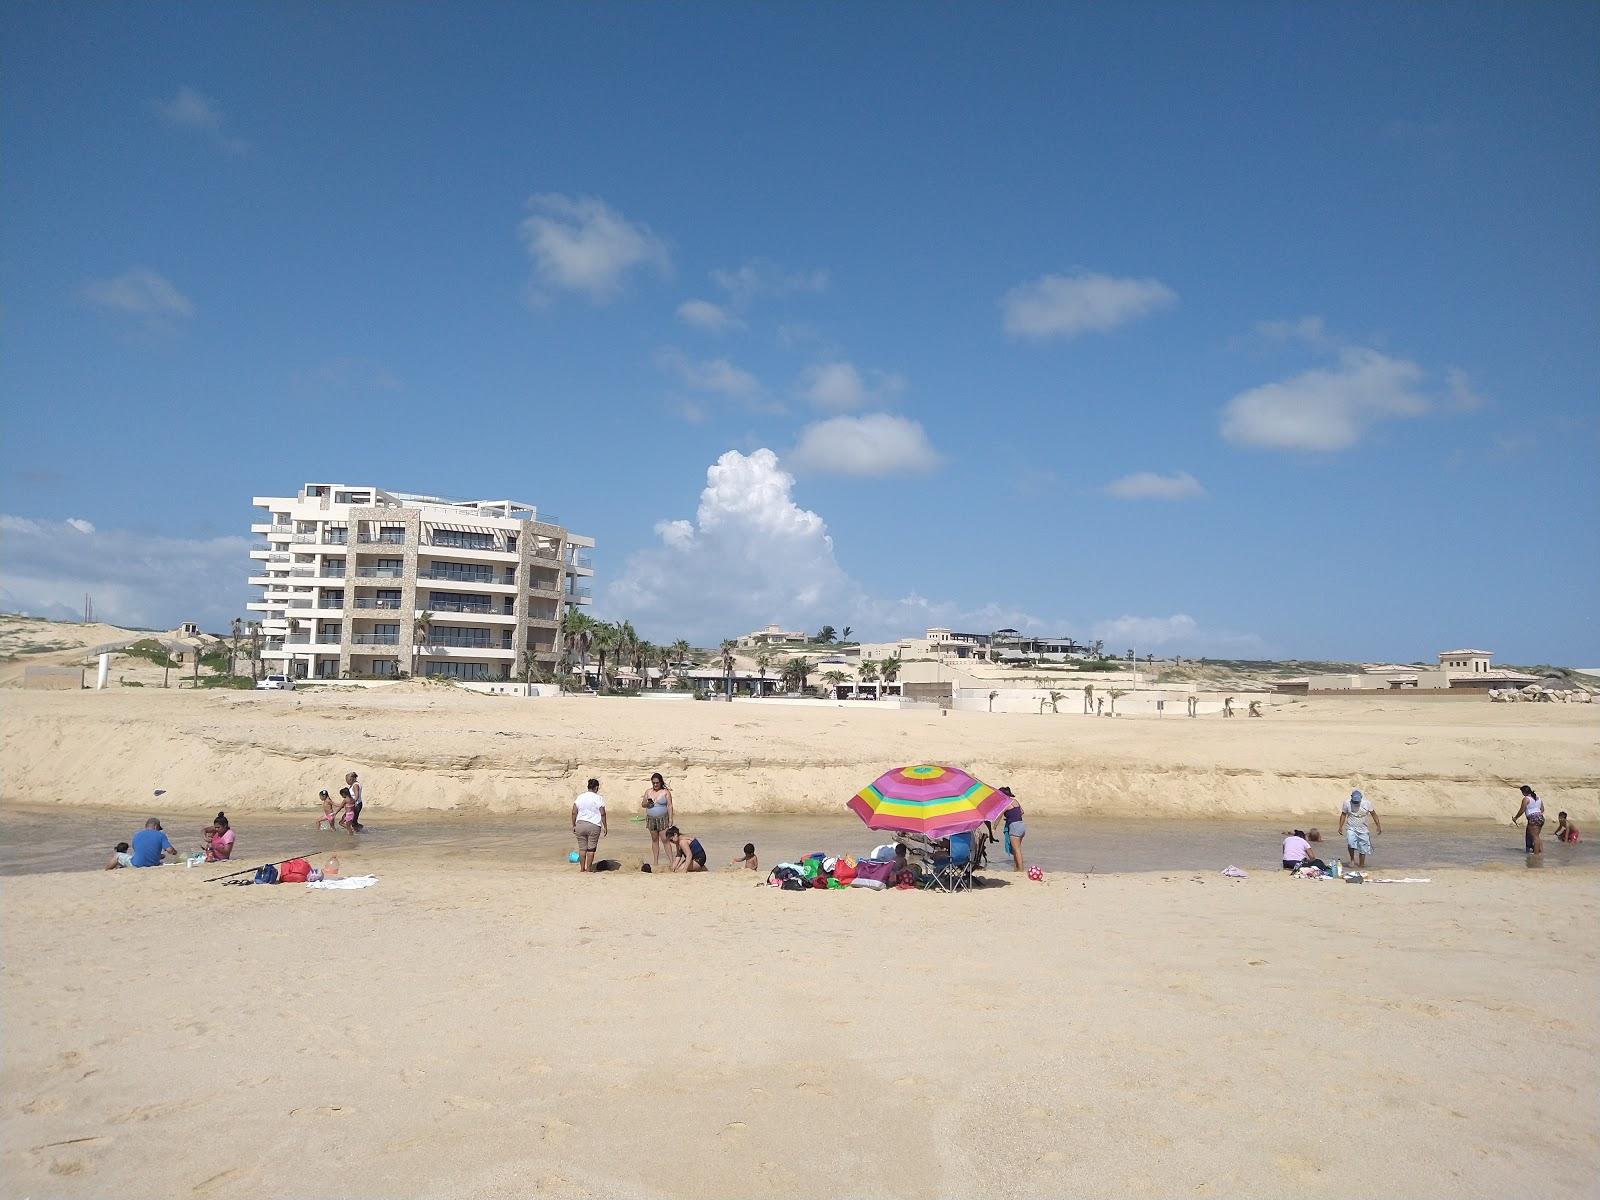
[[275, 683]]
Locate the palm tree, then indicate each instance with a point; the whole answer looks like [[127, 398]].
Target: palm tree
[[1055, 701], [992, 695], [255, 649], [796, 672], [764, 660], [1114, 693], [868, 672], [422, 631], [680, 651], [833, 679], [889, 668], [844, 636], [825, 635], [233, 645], [607, 638], [1098, 649], [728, 645], [577, 633]]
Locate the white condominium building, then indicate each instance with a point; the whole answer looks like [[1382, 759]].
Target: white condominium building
[[360, 582]]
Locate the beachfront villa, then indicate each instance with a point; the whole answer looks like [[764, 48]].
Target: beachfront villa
[[1002, 645], [770, 637], [359, 582], [1457, 670]]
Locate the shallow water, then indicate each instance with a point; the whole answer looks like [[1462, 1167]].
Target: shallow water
[[35, 840]]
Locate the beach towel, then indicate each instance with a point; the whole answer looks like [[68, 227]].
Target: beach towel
[[1406, 880], [345, 885]]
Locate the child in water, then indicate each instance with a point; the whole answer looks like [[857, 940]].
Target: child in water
[[747, 860], [1565, 832]]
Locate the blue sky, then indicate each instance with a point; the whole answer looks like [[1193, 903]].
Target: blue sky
[[1224, 329]]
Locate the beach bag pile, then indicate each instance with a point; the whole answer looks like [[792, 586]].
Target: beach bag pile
[[823, 872]]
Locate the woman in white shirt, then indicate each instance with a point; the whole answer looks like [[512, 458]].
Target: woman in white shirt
[[1533, 808]]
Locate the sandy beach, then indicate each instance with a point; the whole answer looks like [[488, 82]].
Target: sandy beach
[[486, 1022]]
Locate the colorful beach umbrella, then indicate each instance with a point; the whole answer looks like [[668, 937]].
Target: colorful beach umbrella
[[928, 799]]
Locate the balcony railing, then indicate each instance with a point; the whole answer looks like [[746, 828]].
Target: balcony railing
[[298, 639], [461, 542], [372, 602], [380, 572], [581, 592], [306, 603], [464, 642], [579, 559], [460, 607], [376, 639], [302, 572], [304, 537], [332, 572], [382, 539]]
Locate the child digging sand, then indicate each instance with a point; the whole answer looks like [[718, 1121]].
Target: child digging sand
[[747, 860]]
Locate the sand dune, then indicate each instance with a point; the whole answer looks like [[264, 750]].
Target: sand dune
[[434, 748]]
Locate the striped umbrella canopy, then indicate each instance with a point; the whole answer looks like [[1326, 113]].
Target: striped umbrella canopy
[[928, 799]]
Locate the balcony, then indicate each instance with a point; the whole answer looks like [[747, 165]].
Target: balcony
[[298, 639], [303, 538], [381, 539], [578, 594], [302, 602], [380, 572], [375, 639], [463, 641], [373, 602]]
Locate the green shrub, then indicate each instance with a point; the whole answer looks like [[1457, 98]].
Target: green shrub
[[240, 682], [150, 650], [130, 683]]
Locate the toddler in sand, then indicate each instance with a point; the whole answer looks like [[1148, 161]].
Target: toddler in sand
[[119, 857], [1565, 832], [747, 860]]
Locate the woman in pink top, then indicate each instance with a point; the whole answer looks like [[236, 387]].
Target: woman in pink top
[[218, 837]]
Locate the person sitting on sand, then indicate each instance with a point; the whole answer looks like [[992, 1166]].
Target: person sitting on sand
[[1353, 824], [150, 846], [687, 853], [119, 857], [1565, 832], [217, 839], [1297, 853], [747, 860]]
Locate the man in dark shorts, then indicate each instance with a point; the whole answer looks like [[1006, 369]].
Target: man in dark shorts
[[687, 853]]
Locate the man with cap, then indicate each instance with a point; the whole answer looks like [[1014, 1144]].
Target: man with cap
[[1353, 818]]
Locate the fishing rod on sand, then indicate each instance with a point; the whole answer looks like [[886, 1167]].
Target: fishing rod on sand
[[253, 870]]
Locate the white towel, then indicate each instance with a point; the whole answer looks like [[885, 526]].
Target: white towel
[[345, 885]]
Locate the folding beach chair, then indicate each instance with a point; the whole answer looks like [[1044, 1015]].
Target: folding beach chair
[[952, 871]]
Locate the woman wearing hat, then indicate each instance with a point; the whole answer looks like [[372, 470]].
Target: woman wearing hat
[[1014, 828]]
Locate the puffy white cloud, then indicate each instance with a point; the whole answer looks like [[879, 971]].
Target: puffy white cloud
[[190, 109], [703, 314], [1307, 331], [715, 375], [1463, 397], [1084, 302], [757, 278], [135, 579], [1147, 485], [841, 385], [582, 244], [140, 292], [751, 555], [1327, 408], [871, 444]]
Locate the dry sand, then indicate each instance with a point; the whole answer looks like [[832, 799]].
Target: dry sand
[[470, 1029], [474, 1026], [420, 747]]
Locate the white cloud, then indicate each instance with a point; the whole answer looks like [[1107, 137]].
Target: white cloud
[[1327, 408], [1463, 397], [189, 109], [703, 314], [715, 375], [582, 244], [134, 578], [1307, 331], [841, 385], [757, 278], [1084, 302], [1147, 485], [751, 555], [140, 292], [871, 444]]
